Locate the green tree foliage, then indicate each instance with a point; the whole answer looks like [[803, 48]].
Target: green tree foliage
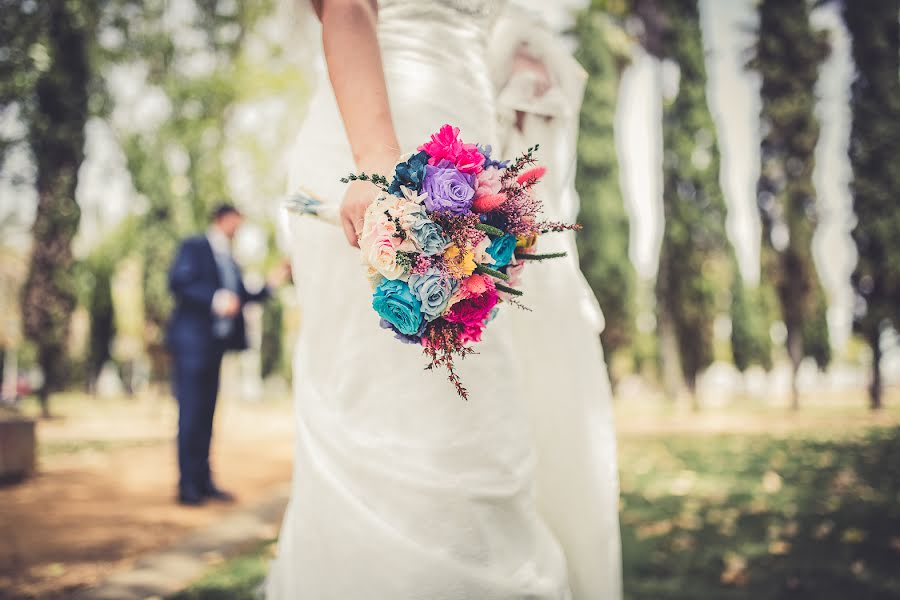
[[788, 54], [47, 75], [96, 273], [177, 167], [751, 343], [272, 349], [694, 240], [603, 243], [874, 152]]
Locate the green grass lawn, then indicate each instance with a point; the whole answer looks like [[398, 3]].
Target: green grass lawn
[[800, 516]]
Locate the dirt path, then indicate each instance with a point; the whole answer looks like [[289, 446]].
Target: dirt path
[[105, 491]]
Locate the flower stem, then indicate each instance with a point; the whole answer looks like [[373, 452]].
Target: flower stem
[[524, 256], [492, 272], [507, 289], [489, 230]]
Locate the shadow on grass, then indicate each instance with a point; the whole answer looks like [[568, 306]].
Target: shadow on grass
[[731, 517], [741, 517]]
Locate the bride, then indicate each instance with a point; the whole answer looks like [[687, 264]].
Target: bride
[[402, 491]]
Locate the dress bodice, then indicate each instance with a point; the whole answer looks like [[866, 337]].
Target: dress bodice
[[435, 63]]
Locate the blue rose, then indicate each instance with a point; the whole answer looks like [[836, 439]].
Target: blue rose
[[428, 236], [396, 304], [433, 289], [502, 249], [449, 190], [415, 338], [409, 174], [488, 161]]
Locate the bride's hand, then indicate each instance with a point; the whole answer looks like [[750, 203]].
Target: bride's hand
[[353, 209], [362, 193]]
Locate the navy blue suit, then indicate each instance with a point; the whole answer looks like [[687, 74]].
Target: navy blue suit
[[197, 353]]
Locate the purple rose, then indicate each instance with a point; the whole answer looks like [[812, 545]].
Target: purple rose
[[448, 189]]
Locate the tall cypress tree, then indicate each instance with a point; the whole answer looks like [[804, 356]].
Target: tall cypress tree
[[788, 54], [603, 244], [694, 237], [874, 151], [751, 343]]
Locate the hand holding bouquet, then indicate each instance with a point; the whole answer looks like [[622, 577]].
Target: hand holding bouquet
[[447, 240]]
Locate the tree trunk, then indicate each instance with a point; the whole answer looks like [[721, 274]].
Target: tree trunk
[[875, 386], [672, 376], [57, 140], [691, 386], [795, 352], [44, 400]]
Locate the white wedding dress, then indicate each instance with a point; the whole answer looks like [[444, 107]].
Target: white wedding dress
[[402, 490]]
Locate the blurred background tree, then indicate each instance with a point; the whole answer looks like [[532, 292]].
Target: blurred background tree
[[187, 88], [48, 79], [694, 239], [874, 152], [751, 342], [96, 273], [603, 243], [189, 64], [787, 57]]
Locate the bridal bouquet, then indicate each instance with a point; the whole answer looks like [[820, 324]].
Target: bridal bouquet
[[446, 242]]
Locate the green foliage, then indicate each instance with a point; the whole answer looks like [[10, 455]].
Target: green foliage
[[787, 57], [49, 79], [180, 192], [603, 242], [694, 239], [816, 342], [272, 347], [751, 343], [237, 579], [95, 280], [874, 149]]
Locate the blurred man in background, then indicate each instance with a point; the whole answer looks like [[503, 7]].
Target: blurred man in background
[[207, 321]]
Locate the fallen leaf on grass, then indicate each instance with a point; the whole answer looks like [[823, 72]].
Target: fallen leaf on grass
[[654, 529], [779, 547], [853, 535], [824, 528], [735, 572], [771, 482]]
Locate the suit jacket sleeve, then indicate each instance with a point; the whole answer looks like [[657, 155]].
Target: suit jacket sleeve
[[185, 279]]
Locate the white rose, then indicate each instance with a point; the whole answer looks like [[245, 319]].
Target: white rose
[[480, 251], [382, 256]]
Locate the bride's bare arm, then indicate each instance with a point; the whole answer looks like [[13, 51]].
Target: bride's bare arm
[[357, 76]]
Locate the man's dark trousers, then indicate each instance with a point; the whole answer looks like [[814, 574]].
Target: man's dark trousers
[[196, 383]]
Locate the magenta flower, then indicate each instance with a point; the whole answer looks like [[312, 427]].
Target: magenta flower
[[446, 145], [472, 312]]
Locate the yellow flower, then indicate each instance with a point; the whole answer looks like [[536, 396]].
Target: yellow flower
[[459, 264], [526, 242]]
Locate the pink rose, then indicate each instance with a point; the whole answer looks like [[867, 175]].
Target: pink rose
[[446, 145], [381, 254], [472, 312], [487, 182]]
